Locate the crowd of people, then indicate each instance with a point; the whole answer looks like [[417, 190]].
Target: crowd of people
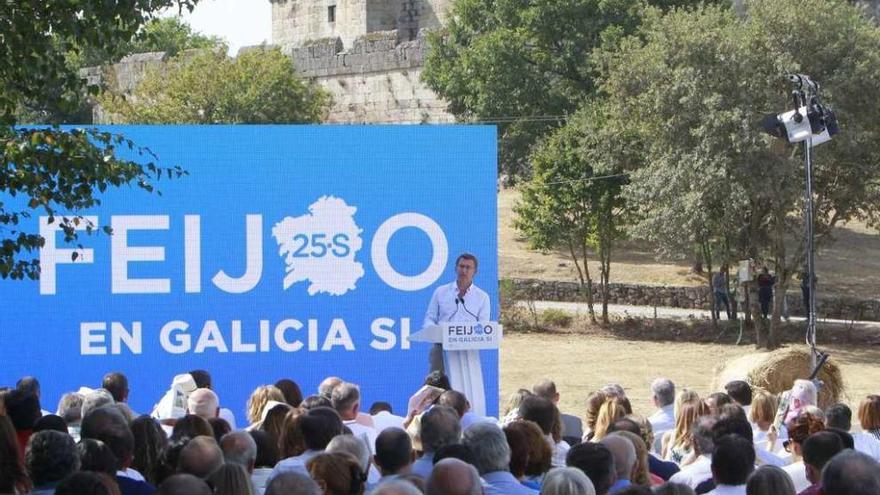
[[742, 440]]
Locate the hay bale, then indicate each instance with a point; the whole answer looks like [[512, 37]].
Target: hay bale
[[776, 371]]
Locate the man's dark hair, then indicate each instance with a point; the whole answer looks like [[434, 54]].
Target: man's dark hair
[[50, 456], [23, 408], [703, 435], [851, 473], [191, 426], [732, 425], [201, 457], [267, 449], [545, 389], [95, 455], [290, 483], [82, 483], [319, 426], [820, 447], [313, 401], [625, 424], [393, 450], [456, 451], [50, 422], [380, 406], [720, 399], [740, 391], [838, 416], [845, 437], [467, 256], [117, 384], [438, 379], [539, 410], [441, 426], [293, 396], [183, 484], [634, 490], [28, 384], [201, 377], [596, 461], [733, 460], [108, 425], [455, 400]]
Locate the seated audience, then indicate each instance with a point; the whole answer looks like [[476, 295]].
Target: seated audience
[[384, 417], [567, 481], [23, 408], [701, 469], [293, 483], [530, 453], [801, 427], [869, 415], [839, 416], [70, 409], [184, 484], [544, 413], [231, 479], [318, 426], [851, 473], [346, 399], [109, 426], [770, 480], [201, 457], [492, 459], [290, 390], [663, 399], [453, 477], [258, 400], [264, 463], [624, 460], [13, 476], [761, 415], [191, 426], [337, 473], [818, 449], [49, 457], [733, 460], [572, 426], [597, 462], [440, 426], [83, 483], [117, 384], [393, 455], [150, 442]]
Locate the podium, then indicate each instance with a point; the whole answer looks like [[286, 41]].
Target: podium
[[462, 342]]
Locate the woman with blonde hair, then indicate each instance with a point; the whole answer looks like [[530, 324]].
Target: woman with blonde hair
[[337, 474], [869, 415], [258, 400], [594, 403], [677, 444], [762, 414], [232, 479], [610, 411]]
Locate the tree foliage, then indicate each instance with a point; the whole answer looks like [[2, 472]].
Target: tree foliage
[[49, 171], [695, 86], [258, 86]]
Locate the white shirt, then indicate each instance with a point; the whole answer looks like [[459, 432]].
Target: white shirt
[[867, 444], [662, 421], [560, 451], [365, 433], [443, 306], [798, 476], [728, 490], [694, 473], [259, 479], [384, 420]]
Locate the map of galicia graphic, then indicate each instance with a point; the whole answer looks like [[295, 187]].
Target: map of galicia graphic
[[320, 247]]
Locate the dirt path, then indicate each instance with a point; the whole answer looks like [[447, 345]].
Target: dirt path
[[580, 364]]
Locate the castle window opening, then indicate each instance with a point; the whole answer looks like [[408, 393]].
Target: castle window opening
[[331, 13]]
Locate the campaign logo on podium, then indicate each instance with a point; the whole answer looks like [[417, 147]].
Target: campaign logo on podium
[[471, 336]]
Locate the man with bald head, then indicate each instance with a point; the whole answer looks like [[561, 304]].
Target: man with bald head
[[453, 477], [183, 484], [201, 457], [203, 402], [624, 459], [396, 487]]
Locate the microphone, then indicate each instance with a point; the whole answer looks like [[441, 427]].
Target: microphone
[[468, 311], [457, 300]]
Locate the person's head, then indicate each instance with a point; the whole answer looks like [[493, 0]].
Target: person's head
[[393, 451], [117, 384], [275, 415], [662, 392], [540, 410], [685, 417], [108, 425], [292, 483], [259, 397], [220, 427], [28, 384], [530, 454], [465, 269], [818, 449], [596, 461], [437, 379], [380, 406], [567, 481], [191, 426], [851, 473], [150, 441], [231, 479], [646, 431], [267, 450], [733, 460], [82, 483], [325, 388], [770, 480], [546, 389], [50, 456], [346, 399], [838, 416], [184, 484], [455, 451], [353, 445], [292, 394], [740, 391], [70, 408], [12, 471], [440, 426], [763, 408], [670, 488], [594, 403], [624, 455], [641, 472], [50, 422], [455, 400], [610, 411], [732, 425], [803, 393], [337, 473], [23, 408], [453, 477], [869, 413], [489, 446], [201, 378], [716, 401], [703, 437], [290, 441], [801, 427], [626, 424], [204, 403], [201, 457], [396, 487], [240, 448], [314, 401], [319, 426], [95, 455], [96, 399], [845, 437]]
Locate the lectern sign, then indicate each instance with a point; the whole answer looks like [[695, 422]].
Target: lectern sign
[[471, 336]]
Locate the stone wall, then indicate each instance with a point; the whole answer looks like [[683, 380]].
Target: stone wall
[[688, 297]]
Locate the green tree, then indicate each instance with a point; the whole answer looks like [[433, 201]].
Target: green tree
[[258, 86], [573, 198], [50, 171], [524, 64], [695, 86]]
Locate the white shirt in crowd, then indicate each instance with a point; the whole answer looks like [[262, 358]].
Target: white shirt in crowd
[[662, 421], [560, 450], [728, 490], [867, 444], [365, 433], [798, 476], [384, 420], [694, 473]]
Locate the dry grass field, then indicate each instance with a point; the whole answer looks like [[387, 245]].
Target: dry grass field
[[581, 363], [850, 266]]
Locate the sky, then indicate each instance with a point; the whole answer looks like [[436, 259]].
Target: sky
[[239, 22]]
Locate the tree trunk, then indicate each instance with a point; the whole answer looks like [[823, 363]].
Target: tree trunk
[[586, 283], [707, 258]]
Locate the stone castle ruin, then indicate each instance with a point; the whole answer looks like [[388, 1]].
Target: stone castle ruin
[[368, 54]]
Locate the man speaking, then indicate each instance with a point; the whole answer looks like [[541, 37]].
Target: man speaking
[[459, 302]]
